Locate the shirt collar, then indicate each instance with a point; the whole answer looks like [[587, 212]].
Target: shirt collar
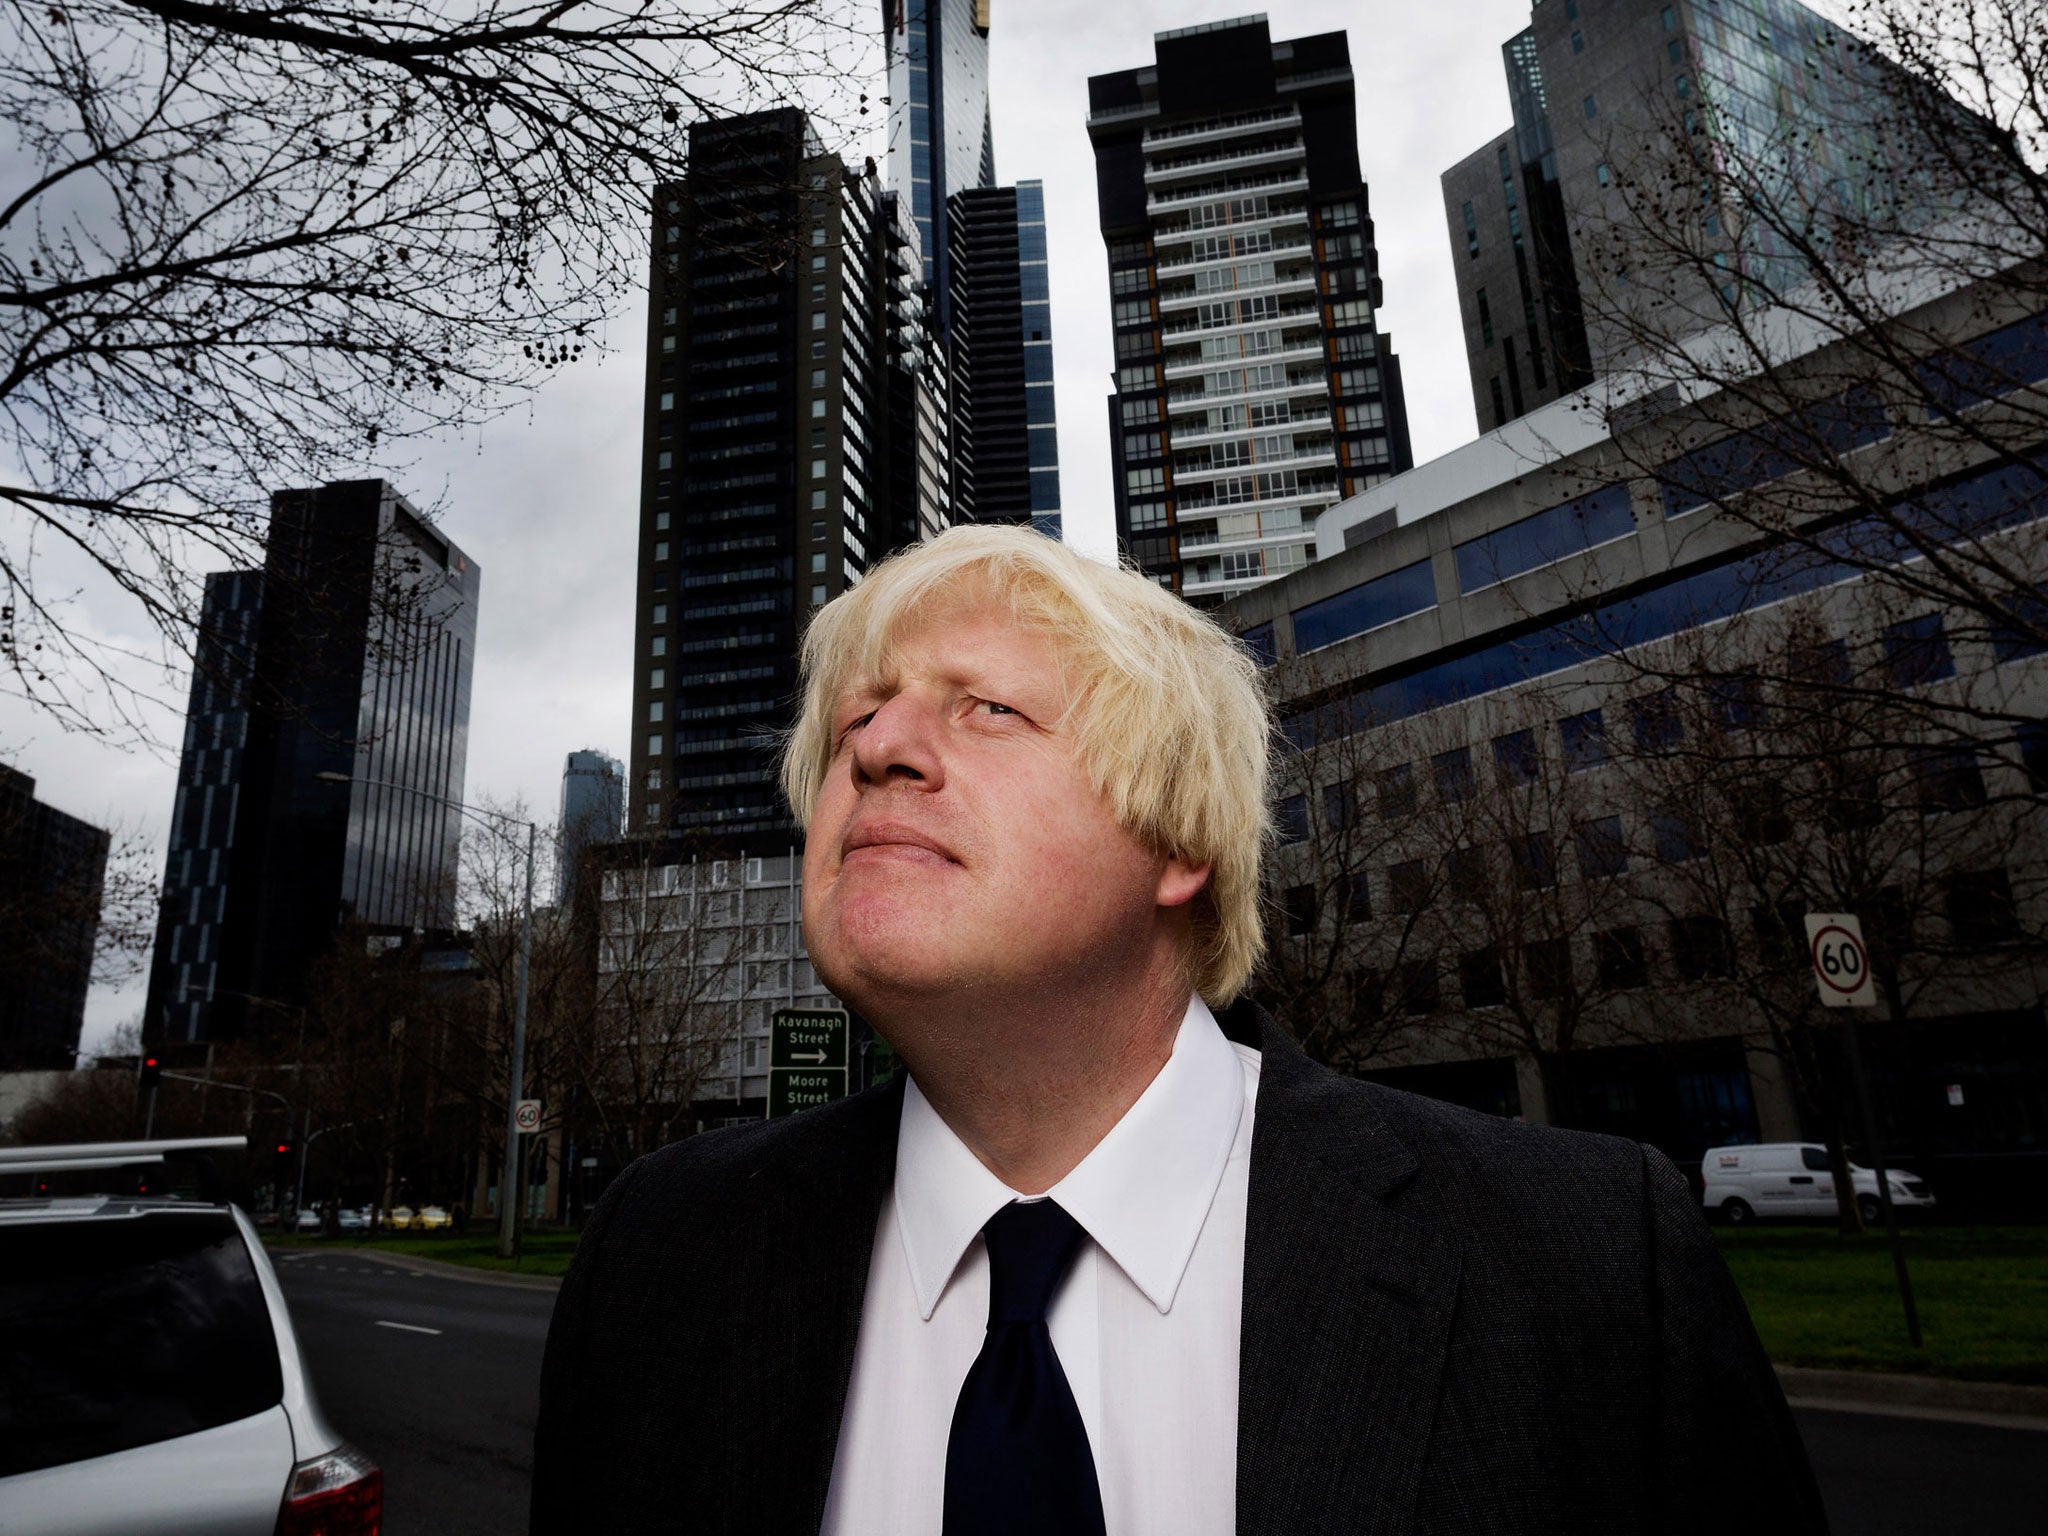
[[1142, 1194]]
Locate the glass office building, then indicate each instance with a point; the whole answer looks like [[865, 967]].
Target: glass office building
[[328, 742], [940, 138], [1006, 463]]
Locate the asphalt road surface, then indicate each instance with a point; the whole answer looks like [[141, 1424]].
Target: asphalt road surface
[[449, 1413]]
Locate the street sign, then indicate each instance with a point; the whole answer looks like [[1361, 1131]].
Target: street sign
[[1841, 961], [527, 1116], [806, 1059]]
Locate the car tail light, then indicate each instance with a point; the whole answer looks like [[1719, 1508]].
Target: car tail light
[[339, 1494]]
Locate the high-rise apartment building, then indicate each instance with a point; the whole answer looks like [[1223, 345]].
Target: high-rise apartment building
[[52, 869], [593, 811], [324, 753], [794, 434], [1560, 275], [1254, 388], [1006, 460], [941, 140]]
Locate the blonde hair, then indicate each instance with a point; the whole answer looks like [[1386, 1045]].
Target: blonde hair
[[1165, 709]]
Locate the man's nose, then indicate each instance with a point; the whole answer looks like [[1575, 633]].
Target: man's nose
[[900, 742]]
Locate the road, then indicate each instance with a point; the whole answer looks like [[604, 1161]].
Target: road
[[449, 1414]]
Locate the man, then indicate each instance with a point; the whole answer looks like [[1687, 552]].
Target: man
[[1109, 1261]]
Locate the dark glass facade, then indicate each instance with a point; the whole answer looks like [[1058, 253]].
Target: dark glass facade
[[364, 645], [593, 810], [794, 434], [940, 139], [51, 871], [1006, 464]]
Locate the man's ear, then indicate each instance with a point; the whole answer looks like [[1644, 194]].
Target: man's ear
[[1181, 881]]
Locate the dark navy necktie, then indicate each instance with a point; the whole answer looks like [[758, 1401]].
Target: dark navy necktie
[[1018, 1462]]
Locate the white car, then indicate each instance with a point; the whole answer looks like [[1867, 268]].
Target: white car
[[154, 1382], [309, 1220], [1791, 1178], [353, 1221]]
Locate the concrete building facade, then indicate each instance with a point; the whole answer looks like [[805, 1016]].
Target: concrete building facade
[[52, 869]]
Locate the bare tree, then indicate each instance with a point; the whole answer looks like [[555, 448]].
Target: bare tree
[[243, 248], [1827, 319]]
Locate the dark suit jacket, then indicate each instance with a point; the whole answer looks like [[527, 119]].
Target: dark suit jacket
[[1452, 1323]]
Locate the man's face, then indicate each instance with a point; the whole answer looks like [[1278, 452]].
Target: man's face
[[957, 844]]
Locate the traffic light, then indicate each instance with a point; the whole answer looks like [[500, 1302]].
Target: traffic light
[[152, 1069]]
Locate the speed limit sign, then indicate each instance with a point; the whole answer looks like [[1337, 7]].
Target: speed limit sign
[[1841, 962], [527, 1116]]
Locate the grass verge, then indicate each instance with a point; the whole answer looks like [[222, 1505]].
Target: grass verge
[[1820, 1299], [540, 1253]]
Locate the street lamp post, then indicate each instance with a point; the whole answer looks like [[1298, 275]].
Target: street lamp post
[[508, 1231]]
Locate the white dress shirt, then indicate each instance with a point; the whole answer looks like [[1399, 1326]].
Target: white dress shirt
[[1146, 1325]]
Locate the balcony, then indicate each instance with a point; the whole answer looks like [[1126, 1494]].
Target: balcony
[[1303, 281], [1186, 368], [1277, 248], [1279, 218], [1246, 155], [1318, 458], [1213, 191], [1295, 419], [1213, 128], [1301, 383], [1297, 315]]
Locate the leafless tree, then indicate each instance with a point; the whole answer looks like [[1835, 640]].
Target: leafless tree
[[1826, 317], [244, 248]]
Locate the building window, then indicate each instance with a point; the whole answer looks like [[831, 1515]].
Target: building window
[[661, 522], [1480, 978], [1471, 231], [658, 646], [654, 711], [660, 614], [1602, 846], [1603, 175], [1290, 819], [653, 815], [1700, 949], [1578, 42], [1419, 988], [817, 469], [1397, 797], [1453, 773], [1584, 739], [1674, 837], [817, 597], [654, 778], [1592, 107], [1980, 909], [661, 549], [1947, 778], [1407, 886], [1500, 405], [1485, 320], [1534, 857], [1549, 964], [1916, 652], [1300, 902], [1656, 722], [657, 678], [1356, 893], [668, 400], [1622, 960], [1514, 755], [1670, 19], [654, 746]]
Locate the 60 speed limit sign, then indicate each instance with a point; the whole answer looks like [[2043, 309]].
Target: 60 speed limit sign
[[527, 1115], [1841, 962]]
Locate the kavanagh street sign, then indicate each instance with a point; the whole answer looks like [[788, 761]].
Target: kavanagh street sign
[[1841, 961], [806, 1059], [527, 1115]]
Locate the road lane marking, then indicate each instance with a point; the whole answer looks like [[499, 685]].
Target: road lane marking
[[408, 1327]]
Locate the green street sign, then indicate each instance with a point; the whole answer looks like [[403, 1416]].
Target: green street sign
[[806, 1059]]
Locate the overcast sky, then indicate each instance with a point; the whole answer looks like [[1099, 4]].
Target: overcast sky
[[545, 498]]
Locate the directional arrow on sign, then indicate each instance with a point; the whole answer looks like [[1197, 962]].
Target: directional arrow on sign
[[815, 1058]]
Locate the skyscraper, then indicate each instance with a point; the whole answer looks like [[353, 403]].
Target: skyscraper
[[1006, 461], [1253, 386], [940, 137], [52, 868], [1560, 276], [593, 811], [364, 640], [793, 435]]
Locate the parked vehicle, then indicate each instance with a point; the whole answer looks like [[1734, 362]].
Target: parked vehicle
[[1791, 1178], [309, 1219], [155, 1383], [399, 1219], [432, 1218], [353, 1221]]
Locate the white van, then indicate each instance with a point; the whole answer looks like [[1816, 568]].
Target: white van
[[1791, 1178]]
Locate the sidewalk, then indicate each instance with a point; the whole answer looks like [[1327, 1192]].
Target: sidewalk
[[1994, 1404]]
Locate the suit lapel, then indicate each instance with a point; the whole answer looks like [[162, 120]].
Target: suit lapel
[[820, 1212], [1347, 1307]]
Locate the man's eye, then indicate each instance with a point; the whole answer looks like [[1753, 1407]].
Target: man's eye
[[996, 709]]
